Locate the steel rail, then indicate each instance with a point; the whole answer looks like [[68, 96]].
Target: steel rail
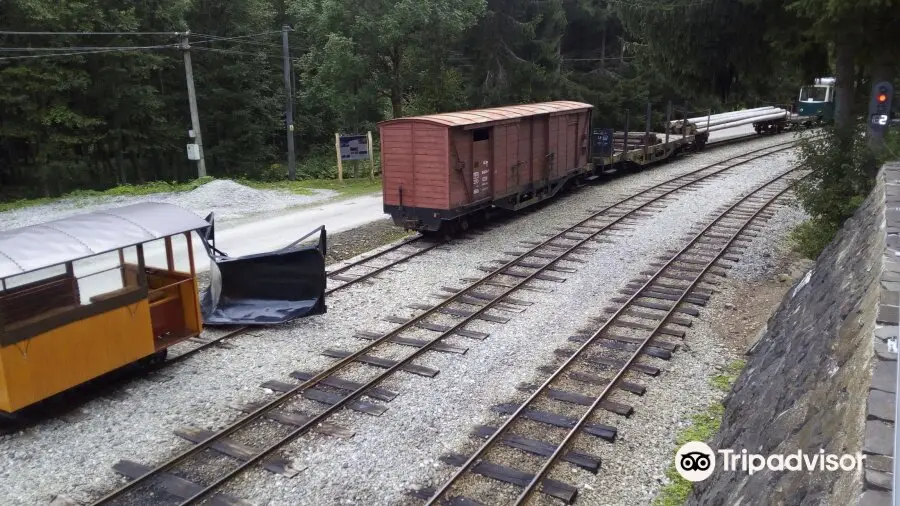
[[405, 242], [514, 416], [338, 366], [378, 270], [240, 330], [530, 488], [388, 372], [182, 356]]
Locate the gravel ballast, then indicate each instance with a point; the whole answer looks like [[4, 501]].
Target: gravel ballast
[[228, 199], [430, 417]]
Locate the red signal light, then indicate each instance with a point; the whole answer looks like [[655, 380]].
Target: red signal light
[[882, 98]]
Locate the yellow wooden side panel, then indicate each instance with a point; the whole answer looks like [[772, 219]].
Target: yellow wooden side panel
[[190, 300], [4, 393], [67, 356]]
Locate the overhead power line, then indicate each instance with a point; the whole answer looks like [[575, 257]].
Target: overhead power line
[[216, 38], [207, 39], [76, 53], [239, 39], [75, 48], [5, 32], [232, 51], [79, 50]]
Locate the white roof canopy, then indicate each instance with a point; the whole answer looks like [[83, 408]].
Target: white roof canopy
[[57, 242]]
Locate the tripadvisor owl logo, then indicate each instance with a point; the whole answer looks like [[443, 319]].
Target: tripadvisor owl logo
[[695, 461]]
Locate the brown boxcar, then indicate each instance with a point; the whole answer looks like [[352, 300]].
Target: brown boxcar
[[442, 169]]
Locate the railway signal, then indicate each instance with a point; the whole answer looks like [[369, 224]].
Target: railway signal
[[880, 108]]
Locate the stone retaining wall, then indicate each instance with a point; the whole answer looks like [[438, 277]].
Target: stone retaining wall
[[824, 374]]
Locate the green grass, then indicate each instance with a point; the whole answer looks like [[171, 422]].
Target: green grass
[[347, 188], [725, 380], [702, 428], [117, 191], [810, 237]]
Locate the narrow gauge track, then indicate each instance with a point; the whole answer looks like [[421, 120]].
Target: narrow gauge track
[[347, 277], [535, 262], [629, 334]]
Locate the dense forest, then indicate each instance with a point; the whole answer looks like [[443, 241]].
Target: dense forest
[[93, 94]]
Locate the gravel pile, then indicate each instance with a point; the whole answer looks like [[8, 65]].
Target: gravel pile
[[399, 449], [228, 199]]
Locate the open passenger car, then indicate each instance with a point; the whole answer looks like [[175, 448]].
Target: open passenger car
[[85, 295]]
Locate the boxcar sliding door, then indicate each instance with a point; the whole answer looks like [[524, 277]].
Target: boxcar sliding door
[[481, 163], [572, 142], [523, 171], [506, 155], [539, 149]]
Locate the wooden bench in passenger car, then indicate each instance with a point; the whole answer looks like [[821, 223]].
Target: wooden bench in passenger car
[[157, 296], [115, 293], [36, 318], [157, 301], [38, 299]]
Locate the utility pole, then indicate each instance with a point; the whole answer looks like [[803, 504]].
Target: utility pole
[[289, 102], [192, 99]]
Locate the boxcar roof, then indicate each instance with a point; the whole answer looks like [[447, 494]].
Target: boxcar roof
[[56, 242], [479, 116]]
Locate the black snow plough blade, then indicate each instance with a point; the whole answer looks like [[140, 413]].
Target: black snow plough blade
[[264, 288]]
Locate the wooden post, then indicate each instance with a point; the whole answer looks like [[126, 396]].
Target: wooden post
[[122, 267], [371, 156], [170, 257], [337, 150], [190, 246]]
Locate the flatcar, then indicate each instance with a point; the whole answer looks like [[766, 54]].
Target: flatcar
[[443, 170]]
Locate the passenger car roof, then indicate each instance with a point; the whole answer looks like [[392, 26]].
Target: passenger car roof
[[480, 116], [56, 242]]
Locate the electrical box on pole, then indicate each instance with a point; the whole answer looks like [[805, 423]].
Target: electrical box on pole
[[289, 102], [194, 149], [880, 108]]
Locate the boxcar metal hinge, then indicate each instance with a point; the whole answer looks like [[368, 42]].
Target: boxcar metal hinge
[[460, 166], [548, 167], [515, 170]]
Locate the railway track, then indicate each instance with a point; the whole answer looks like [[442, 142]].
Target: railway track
[[230, 458], [647, 324], [362, 270], [345, 277]]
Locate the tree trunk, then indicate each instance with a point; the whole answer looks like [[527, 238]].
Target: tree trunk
[[603, 47], [120, 159], [396, 87], [845, 88], [135, 163]]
